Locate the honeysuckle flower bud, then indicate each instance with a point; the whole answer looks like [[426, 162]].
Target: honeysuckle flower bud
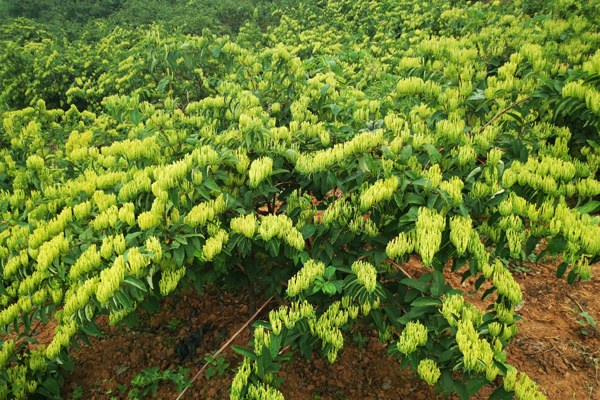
[[460, 233], [413, 335], [119, 244], [110, 280], [495, 328], [8, 348], [429, 371], [214, 245], [147, 220], [204, 212], [153, 245], [260, 170], [454, 188], [505, 314], [305, 277], [169, 280], [400, 246], [510, 379], [429, 233], [353, 311], [434, 175], [494, 156], [245, 225], [366, 274], [127, 215], [508, 287], [378, 192], [452, 306], [365, 308], [82, 210]]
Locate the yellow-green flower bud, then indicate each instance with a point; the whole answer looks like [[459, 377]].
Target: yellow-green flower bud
[[429, 371]]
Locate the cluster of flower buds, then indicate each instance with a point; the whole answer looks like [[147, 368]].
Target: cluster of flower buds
[[88, 261], [452, 308], [81, 297], [475, 350], [381, 190], [245, 225], [141, 183], [264, 393], [526, 389], [337, 214], [153, 245], [281, 227], [450, 130], [136, 261], [322, 160], [107, 218], [454, 188], [434, 176], [460, 233], [429, 371], [214, 245], [127, 214], [110, 280], [410, 86], [508, 287], [260, 169], [400, 245], [305, 277], [430, 225], [8, 347], [241, 379], [413, 335], [82, 210], [366, 275], [290, 315], [505, 314], [50, 250], [62, 336], [37, 359], [203, 212], [169, 280]]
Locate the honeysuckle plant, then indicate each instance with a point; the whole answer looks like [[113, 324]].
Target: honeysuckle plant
[[312, 160]]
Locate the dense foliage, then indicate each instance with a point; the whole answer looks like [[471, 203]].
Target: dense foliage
[[74, 19], [323, 152]]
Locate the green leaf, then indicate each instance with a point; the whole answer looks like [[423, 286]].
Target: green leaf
[[275, 342], [475, 384], [164, 82], [329, 288], [51, 385], [561, 269], [245, 352], [437, 287], [461, 390], [210, 184], [426, 301], [132, 280], [446, 381], [434, 154], [531, 244], [179, 254], [500, 394], [123, 299], [421, 286], [590, 207], [556, 244], [308, 230]]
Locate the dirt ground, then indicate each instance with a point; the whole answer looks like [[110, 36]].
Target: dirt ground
[[549, 347]]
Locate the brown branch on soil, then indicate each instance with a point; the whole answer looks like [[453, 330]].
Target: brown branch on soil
[[576, 302], [397, 266], [226, 344]]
